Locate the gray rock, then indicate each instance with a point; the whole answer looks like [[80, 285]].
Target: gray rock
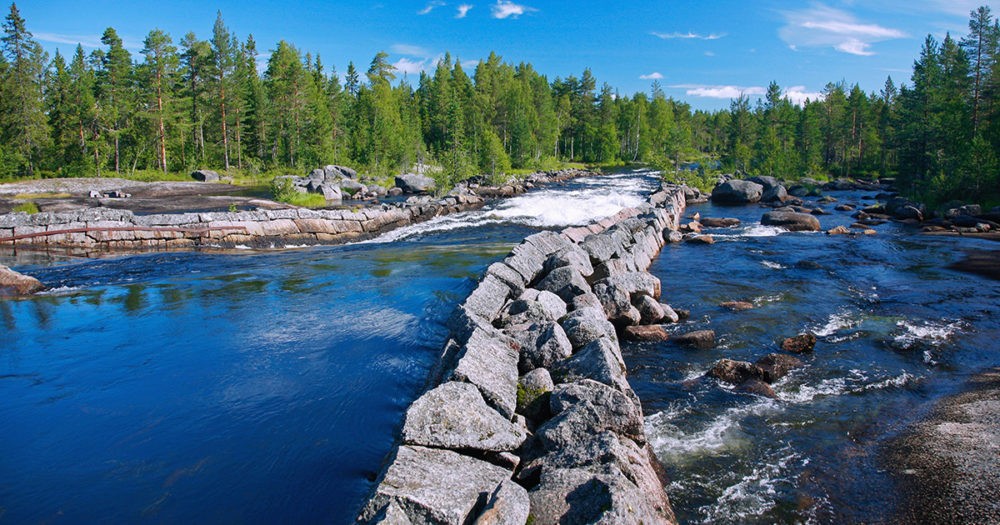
[[588, 324], [330, 192], [616, 303], [542, 345], [15, 284], [488, 298], [527, 260], [580, 496], [765, 181], [649, 309], [737, 192], [791, 221], [205, 176], [523, 312], [585, 408], [433, 486], [642, 283], [454, 415], [735, 372], [776, 366], [555, 308], [775, 194], [489, 361], [673, 236], [587, 300], [508, 504], [508, 276], [572, 256], [902, 208], [533, 394], [566, 282], [413, 183], [600, 360], [669, 314]]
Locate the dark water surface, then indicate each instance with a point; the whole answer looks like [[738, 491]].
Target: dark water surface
[[233, 388], [896, 329]]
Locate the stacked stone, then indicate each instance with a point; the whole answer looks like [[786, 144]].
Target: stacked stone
[[531, 417], [105, 229]]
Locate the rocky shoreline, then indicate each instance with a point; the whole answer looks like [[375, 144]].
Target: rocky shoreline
[[102, 230], [530, 417]]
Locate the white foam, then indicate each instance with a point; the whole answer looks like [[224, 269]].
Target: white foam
[[754, 494], [836, 322], [59, 290], [855, 382], [759, 230], [773, 265], [930, 333], [675, 445]]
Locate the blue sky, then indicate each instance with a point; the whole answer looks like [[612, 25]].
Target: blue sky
[[703, 52]]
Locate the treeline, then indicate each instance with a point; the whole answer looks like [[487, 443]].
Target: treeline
[[205, 103]]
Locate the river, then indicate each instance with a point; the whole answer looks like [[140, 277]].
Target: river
[[268, 386]]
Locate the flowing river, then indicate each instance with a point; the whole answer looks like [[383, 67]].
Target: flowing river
[[268, 386]]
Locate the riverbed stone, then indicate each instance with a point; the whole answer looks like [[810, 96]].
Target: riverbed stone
[[799, 344], [647, 333], [735, 372], [541, 345], [757, 388], [792, 221], [15, 284], [701, 339], [434, 486], [775, 194], [737, 191], [723, 222], [488, 360], [566, 282], [737, 306], [454, 415], [776, 366]]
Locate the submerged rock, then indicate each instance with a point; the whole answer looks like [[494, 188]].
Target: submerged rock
[[737, 306], [735, 372], [791, 221], [799, 344], [649, 333], [724, 222], [775, 366], [700, 339]]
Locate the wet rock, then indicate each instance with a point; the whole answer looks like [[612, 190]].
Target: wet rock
[[826, 199], [650, 310], [413, 183], [737, 306], [541, 345], [673, 236], [585, 325], [508, 504], [775, 194], [700, 239], [844, 207], [799, 344], [839, 230], [205, 176], [454, 415], [791, 221], [737, 192], [735, 372], [566, 282], [433, 486], [701, 339], [649, 333], [600, 361], [533, 391], [902, 208], [756, 387], [775, 366], [670, 315], [14, 284], [724, 222]]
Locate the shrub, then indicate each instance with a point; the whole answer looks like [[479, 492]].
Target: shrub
[[27, 207]]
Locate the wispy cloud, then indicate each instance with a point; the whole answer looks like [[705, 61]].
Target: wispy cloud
[[506, 9], [409, 50], [798, 95], [823, 26], [655, 75], [411, 67], [463, 10], [687, 36], [433, 4], [88, 41], [724, 92]]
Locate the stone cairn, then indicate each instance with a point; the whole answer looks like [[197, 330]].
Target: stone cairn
[[530, 417]]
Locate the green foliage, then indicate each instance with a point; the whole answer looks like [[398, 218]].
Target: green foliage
[[27, 207], [282, 190]]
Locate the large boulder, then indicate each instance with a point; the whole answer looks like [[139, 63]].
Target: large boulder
[[14, 284], [205, 176], [775, 194], [766, 181], [566, 282], [735, 372], [413, 183], [453, 415], [776, 366], [791, 221], [737, 191], [426, 485], [585, 325], [541, 345], [601, 361], [902, 208]]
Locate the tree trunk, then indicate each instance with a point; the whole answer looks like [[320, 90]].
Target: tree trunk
[[162, 127], [225, 134]]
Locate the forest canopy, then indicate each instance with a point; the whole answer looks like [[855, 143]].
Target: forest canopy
[[186, 103]]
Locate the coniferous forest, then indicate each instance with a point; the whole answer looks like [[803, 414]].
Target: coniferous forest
[[185, 103]]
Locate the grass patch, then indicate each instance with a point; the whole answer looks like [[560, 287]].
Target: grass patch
[[306, 200], [27, 207], [31, 196]]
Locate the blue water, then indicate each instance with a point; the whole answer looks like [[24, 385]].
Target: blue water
[[240, 387], [897, 330]]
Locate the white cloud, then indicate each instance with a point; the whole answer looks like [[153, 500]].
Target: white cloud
[[463, 10], [822, 26], [409, 50], [655, 75], [506, 9], [724, 92], [88, 41], [430, 7], [688, 36], [411, 67], [709, 54], [798, 95]]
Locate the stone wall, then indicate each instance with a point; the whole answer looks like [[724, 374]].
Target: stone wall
[[105, 229], [531, 417]]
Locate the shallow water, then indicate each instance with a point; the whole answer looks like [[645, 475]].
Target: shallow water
[[252, 387], [896, 329]]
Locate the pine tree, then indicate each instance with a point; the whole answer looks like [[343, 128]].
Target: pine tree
[[159, 72], [24, 126], [115, 88], [980, 46], [224, 61], [196, 59]]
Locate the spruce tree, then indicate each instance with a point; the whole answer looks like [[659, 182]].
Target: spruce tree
[[24, 126]]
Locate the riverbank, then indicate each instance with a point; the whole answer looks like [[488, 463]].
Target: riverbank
[[946, 463], [93, 226]]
